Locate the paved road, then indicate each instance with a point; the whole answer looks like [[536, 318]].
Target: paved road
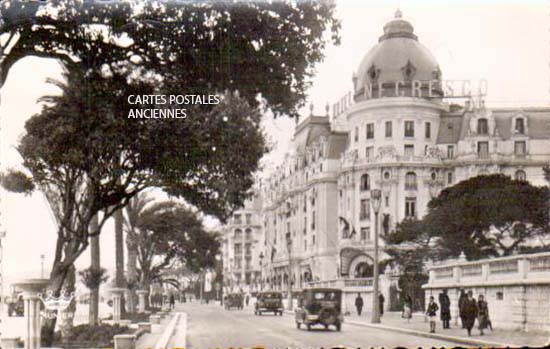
[[210, 327]]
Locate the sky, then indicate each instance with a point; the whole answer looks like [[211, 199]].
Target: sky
[[505, 42]]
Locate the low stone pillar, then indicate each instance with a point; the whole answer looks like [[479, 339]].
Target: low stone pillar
[[141, 300], [146, 326], [125, 341], [31, 289], [116, 297], [154, 319], [32, 318], [9, 342]]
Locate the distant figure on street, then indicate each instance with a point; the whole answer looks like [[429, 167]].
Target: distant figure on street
[[445, 304], [247, 299], [172, 301], [461, 299], [431, 312], [407, 308], [483, 315], [381, 303], [470, 312], [359, 304]]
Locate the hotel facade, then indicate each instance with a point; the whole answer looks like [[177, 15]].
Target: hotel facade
[[395, 132]]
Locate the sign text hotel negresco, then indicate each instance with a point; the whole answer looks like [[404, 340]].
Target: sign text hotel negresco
[[414, 88]]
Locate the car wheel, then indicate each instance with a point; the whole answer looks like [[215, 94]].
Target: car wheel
[[260, 313], [308, 327], [326, 327], [338, 326], [298, 325], [281, 313]]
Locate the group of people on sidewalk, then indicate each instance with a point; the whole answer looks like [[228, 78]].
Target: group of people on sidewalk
[[469, 310], [359, 303]]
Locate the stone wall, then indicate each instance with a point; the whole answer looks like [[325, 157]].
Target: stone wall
[[516, 288]]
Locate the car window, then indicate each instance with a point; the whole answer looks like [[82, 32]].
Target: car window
[[319, 296]]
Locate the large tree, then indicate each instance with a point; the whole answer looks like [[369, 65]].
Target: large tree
[[168, 234], [260, 48], [87, 156], [483, 216]]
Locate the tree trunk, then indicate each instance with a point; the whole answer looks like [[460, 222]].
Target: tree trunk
[[55, 285], [131, 275], [119, 256], [119, 250], [93, 317], [66, 316]]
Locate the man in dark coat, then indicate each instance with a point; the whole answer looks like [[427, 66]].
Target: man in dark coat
[[470, 312], [445, 304], [381, 303], [359, 304], [461, 300]]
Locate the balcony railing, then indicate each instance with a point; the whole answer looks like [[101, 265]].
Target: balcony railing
[[516, 269], [341, 283]]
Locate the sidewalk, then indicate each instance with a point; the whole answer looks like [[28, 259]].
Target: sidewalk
[[417, 326]]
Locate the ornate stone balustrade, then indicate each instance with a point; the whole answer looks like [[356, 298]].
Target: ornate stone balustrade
[[516, 288], [520, 269]]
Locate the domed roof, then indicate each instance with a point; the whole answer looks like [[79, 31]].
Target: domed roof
[[397, 57]]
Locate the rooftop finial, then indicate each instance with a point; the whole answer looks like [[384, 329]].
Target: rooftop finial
[[327, 109], [398, 13], [311, 109]]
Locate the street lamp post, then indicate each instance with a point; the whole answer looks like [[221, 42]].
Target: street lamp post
[[289, 282], [261, 256], [375, 196]]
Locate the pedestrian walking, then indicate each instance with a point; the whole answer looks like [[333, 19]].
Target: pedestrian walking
[[172, 301], [407, 308], [483, 315], [445, 304], [461, 299], [470, 312], [381, 303], [431, 312], [247, 299], [359, 304]]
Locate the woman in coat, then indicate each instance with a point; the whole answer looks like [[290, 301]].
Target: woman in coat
[[445, 304], [470, 312], [483, 314], [461, 300]]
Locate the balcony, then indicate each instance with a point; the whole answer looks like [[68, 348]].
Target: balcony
[[356, 243], [342, 283]]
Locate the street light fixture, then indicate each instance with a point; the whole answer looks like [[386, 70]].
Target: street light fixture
[[289, 283], [375, 196]]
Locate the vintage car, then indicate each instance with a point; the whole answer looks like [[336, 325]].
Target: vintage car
[[15, 305], [267, 302], [321, 306], [233, 301]]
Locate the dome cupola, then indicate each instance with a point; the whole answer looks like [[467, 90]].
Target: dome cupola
[[400, 59]]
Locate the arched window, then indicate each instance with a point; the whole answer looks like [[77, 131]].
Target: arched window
[[365, 182], [482, 127], [521, 175], [410, 181]]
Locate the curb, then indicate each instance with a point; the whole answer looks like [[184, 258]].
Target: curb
[[461, 340], [164, 339]]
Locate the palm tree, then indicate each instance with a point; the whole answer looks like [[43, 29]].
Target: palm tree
[[130, 221]]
